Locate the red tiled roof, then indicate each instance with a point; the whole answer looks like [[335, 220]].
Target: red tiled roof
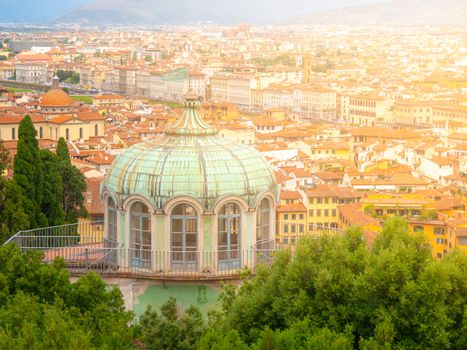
[[296, 207]]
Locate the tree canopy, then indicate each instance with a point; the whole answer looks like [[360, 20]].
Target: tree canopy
[[41, 309], [328, 293], [337, 291]]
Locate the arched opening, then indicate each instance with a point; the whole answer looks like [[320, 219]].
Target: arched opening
[[263, 218], [13, 133], [140, 236], [41, 132], [80, 133], [96, 130], [67, 134], [184, 237], [228, 236]]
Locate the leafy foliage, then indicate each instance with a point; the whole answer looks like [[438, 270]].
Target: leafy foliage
[[330, 293], [68, 76], [73, 185], [41, 309], [4, 158], [171, 329], [283, 59], [336, 293], [12, 215]]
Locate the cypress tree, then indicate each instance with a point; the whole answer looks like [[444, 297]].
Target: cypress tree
[[62, 150], [29, 172], [73, 184], [52, 191]]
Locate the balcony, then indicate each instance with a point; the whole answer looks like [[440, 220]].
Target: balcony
[[83, 249]]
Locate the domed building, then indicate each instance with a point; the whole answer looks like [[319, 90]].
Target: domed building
[[55, 101], [190, 201]]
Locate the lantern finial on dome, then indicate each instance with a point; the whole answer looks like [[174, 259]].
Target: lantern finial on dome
[[190, 123]]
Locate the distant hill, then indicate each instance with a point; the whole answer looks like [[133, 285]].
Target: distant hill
[[157, 12], [437, 12], [35, 11]]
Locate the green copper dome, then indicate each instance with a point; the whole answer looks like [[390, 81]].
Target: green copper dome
[[190, 159]]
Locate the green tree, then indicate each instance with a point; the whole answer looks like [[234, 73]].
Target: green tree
[[338, 293], [64, 74], [12, 215], [28, 172], [4, 158], [62, 150], [41, 309], [52, 191], [73, 184], [171, 329], [74, 78]]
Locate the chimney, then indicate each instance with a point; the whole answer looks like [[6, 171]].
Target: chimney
[[55, 82]]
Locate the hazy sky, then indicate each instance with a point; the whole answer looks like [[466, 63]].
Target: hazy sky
[[47, 10]]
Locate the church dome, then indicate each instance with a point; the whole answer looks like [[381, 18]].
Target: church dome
[[190, 159], [56, 98]]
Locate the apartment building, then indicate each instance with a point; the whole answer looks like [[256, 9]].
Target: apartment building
[[413, 113], [313, 102], [322, 202], [450, 113], [368, 110]]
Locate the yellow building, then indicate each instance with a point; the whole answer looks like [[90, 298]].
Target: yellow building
[[222, 111], [322, 202], [326, 150], [439, 235], [461, 238], [352, 214], [412, 205], [291, 217]]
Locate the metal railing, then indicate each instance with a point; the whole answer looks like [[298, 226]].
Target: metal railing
[[83, 249], [88, 232]]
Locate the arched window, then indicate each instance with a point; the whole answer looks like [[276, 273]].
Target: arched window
[[184, 237], [67, 134], [80, 133], [140, 235], [13, 133], [41, 132], [263, 215], [96, 130], [228, 236], [111, 221]]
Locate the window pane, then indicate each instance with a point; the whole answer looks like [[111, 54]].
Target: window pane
[[177, 225]]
